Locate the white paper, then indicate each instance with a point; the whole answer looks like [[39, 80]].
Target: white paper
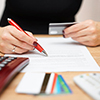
[[63, 55]]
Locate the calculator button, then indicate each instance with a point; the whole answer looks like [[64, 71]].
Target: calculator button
[[2, 65], [96, 77], [94, 82], [4, 62], [1, 59], [8, 60], [5, 57], [0, 68], [12, 58]]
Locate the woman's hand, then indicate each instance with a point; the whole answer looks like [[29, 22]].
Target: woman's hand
[[11, 39], [87, 32]]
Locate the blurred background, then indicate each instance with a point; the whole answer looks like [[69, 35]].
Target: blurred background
[[90, 9]]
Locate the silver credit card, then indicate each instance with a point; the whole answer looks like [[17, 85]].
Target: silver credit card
[[57, 28]]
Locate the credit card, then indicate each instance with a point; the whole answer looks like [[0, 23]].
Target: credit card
[[64, 85], [36, 83], [58, 88], [57, 28]]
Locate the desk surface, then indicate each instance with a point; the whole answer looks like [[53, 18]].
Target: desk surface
[[78, 94]]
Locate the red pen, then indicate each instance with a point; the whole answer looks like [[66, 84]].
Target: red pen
[[36, 45]]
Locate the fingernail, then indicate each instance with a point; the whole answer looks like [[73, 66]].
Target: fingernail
[[35, 44], [63, 31], [63, 35]]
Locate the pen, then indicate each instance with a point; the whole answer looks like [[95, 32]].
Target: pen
[[36, 45]]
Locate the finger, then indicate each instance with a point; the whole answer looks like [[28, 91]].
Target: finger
[[86, 31], [19, 50], [82, 39], [7, 48], [20, 35], [78, 27], [16, 49], [4, 47], [12, 40], [88, 43]]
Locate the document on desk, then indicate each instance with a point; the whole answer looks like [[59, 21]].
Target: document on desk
[[63, 55]]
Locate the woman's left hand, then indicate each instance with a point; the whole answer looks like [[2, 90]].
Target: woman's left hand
[[87, 32]]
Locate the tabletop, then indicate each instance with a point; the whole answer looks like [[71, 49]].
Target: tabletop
[[78, 94]]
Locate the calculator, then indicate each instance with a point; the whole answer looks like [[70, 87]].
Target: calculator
[[90, 83], [9, 67]]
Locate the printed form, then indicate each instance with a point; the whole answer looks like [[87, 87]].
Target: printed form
[[63, 55]]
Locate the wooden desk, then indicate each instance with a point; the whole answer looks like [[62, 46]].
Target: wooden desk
[[78, 94]]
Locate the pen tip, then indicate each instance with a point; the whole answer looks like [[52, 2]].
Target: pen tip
[[45, 53], [8, 19]]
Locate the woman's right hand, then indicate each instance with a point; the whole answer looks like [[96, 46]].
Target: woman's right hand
[[11, 38]]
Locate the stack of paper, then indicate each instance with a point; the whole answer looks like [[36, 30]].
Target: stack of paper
[[43, 83]]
